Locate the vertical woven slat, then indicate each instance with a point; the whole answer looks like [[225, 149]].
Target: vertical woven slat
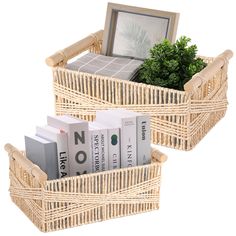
[[178, 130], [214, 89], [19, 177], [182, 129]]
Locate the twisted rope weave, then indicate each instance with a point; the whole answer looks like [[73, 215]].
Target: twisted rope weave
[[50, 205]]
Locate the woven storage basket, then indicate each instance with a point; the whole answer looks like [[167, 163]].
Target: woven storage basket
[[73, 201], [180, 119]]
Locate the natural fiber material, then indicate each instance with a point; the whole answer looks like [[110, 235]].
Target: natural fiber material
[[73, 201], [179, 119]]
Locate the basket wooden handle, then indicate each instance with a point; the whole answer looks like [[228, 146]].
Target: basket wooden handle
[[61, 57], [158, 156], [25, 163], [208, 72]]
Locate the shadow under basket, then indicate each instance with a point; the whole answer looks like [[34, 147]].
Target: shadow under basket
[[179, 119], [63, 203]]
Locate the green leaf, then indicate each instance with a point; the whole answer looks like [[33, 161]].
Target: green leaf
[[171, 65]]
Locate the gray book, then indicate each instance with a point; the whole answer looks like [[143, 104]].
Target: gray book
[[42, 153]]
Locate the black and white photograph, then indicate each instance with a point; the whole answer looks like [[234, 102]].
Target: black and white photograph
[[100, 137], [132, 31], [135, 35]]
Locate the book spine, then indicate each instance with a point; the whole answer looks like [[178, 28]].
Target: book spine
[[143, 140], [128, 142], [113, 148], [63, 155], [62, 148], [80, 161], [51, 160], [95, 150], [104, 149]]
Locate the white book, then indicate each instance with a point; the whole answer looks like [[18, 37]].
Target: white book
[[127, 125], [113, 140], [60, 137], [143, 137], [103, 144], [95, 149], [78, 142]]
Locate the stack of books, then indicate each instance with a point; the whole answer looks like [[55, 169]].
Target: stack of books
[[68, 146]]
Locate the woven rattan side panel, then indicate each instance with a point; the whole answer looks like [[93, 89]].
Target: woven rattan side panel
[[208, 106], [22, 183], [81, 94], [96, 197]]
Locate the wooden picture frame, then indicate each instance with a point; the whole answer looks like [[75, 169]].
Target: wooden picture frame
[[133, 31]]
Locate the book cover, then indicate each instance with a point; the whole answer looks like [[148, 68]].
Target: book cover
[[113, 140], [103, 144], [78, 142], [143, 140], [143, 137], [61, 139], [95, 149], [43, 153], [128, 132]]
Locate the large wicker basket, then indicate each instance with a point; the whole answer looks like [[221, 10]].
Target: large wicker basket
[[180, 119], [73, 201]]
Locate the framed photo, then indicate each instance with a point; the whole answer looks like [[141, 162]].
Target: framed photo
[[133, 31]]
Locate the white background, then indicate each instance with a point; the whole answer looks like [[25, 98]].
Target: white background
[[198, 192]]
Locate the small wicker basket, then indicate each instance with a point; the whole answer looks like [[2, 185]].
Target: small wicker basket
[[180, 119], [73, 201]]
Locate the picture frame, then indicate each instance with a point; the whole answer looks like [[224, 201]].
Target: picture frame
[[132, 31]]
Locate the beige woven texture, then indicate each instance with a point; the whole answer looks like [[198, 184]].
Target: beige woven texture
[[63, 203], [179, 119]]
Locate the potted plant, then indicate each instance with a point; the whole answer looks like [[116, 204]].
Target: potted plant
[[171, 65]]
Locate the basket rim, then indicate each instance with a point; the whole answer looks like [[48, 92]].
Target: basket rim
[[153, 163], [107, 78]]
